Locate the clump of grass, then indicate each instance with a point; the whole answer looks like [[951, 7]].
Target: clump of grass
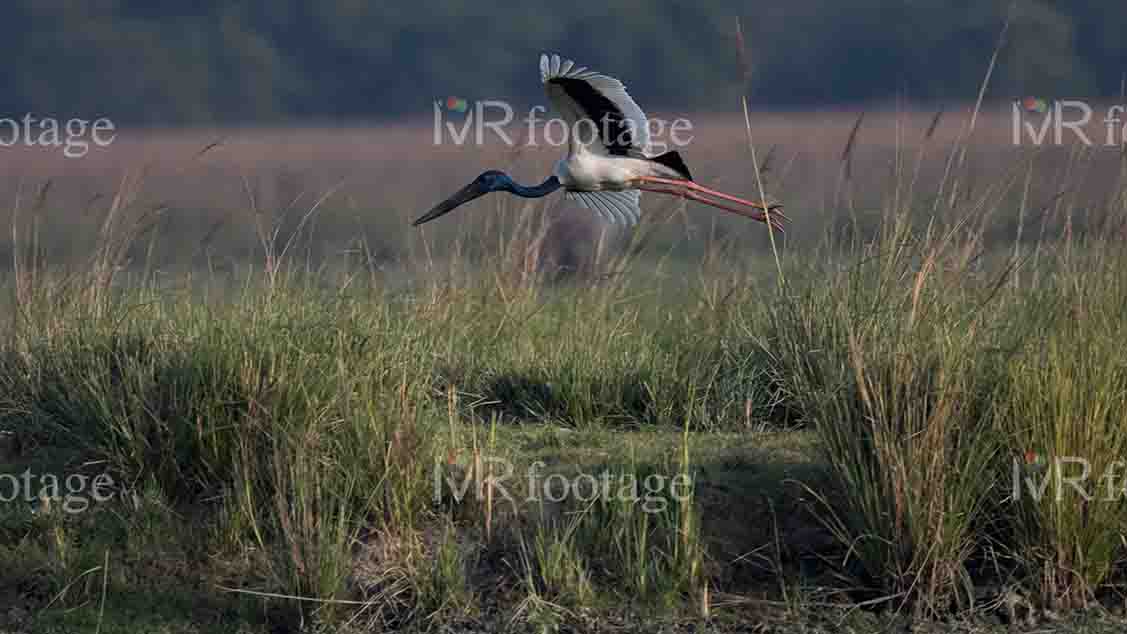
[[449, 590], [630, 535], [650, 548], [897, 391], [555, 570], [582, 356], [297, 443], [1062, 413]]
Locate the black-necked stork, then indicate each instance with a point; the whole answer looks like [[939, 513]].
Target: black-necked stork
[[605, 170]]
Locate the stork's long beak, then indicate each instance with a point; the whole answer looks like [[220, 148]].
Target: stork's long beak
[[464, 195]]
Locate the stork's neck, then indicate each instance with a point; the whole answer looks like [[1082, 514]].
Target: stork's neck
[[543, 189]]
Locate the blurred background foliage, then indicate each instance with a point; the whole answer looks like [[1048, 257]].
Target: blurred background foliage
[[166, 62]]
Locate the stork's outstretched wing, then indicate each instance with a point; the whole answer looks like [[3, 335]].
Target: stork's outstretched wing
[[619, 125], [616, 207]]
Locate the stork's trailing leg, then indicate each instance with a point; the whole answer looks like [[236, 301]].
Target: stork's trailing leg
[[769, 213]]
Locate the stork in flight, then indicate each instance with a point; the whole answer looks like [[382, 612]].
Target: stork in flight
[[605, 171]]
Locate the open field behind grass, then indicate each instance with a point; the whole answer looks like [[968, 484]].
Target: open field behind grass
[[211, 192], [309, 417]]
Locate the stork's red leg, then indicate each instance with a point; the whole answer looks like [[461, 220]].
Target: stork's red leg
[[775, 222], [712, 192]]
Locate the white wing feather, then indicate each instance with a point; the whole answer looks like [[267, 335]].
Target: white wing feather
[[618, 207], [609, 87]]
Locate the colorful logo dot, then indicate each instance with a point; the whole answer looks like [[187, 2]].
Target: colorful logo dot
[[456, 104], [1035, 104]]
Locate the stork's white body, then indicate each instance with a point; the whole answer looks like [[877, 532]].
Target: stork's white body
[[583, 170]]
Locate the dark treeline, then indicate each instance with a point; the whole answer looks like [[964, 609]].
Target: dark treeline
[[209, 61]]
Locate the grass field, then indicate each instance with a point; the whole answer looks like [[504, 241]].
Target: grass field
[[239, 394]]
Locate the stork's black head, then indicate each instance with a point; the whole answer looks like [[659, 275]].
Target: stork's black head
[[489, 181], [494, 180]]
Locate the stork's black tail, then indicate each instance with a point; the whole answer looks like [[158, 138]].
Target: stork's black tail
[[673, 161]]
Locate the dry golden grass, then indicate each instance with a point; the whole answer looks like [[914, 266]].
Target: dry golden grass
[[213, 187]]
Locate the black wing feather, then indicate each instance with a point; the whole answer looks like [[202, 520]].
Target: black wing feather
[[615, 131]]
